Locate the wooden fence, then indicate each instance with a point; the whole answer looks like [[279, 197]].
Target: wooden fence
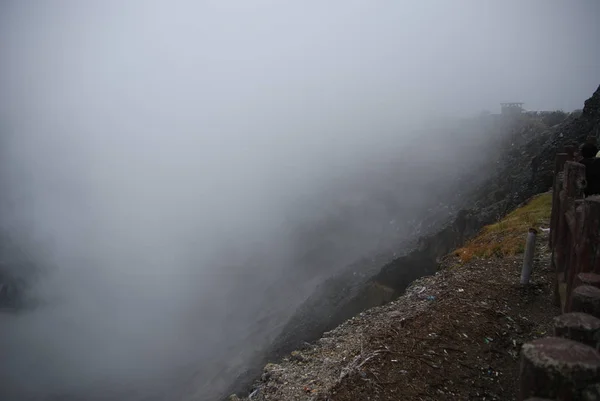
[[567, 365]]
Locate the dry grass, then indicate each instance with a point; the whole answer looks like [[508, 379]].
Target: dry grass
[[507, 237]]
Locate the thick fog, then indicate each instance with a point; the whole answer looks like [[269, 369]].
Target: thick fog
[[173, 169]]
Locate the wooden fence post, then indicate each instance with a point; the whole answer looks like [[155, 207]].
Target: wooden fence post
[[579, 327], [585, 249], [574, 176], [592, 279], [572, 189], [586, 299], [557, 207], [590, 253], [557, 368], [559, 165], [589, 235], [575, 218]]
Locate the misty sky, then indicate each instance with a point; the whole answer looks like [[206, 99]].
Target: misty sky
[[148, 144], [335, 57]]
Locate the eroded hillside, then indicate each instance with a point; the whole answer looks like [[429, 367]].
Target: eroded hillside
[[518, 166], [453, 335]]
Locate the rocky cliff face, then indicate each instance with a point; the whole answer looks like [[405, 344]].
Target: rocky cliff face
[[527, 167], [519, 165]]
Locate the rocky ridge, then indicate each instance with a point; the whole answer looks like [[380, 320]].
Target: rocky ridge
[[521, 166], [452, 335]]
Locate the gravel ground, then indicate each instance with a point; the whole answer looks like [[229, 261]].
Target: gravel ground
[[455, 335]]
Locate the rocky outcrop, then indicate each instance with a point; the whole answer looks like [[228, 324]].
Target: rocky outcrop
[[528, 168], [591, 109]]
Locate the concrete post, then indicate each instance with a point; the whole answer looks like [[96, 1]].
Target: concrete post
[[528, 257]]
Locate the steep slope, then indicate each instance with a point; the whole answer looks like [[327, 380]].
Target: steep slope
[[453, 335], [518, 166]]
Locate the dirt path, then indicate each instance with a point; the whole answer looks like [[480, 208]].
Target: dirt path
[[453, 336]]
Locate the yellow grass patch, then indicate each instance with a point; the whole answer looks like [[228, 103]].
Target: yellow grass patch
[[507, 237]]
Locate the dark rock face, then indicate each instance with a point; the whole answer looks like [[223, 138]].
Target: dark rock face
[[591, 109]]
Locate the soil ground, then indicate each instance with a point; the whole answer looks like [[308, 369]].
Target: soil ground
[[464, 347], [453, 336]]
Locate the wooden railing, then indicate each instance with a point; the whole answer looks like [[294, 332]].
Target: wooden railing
[[567, 365]]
